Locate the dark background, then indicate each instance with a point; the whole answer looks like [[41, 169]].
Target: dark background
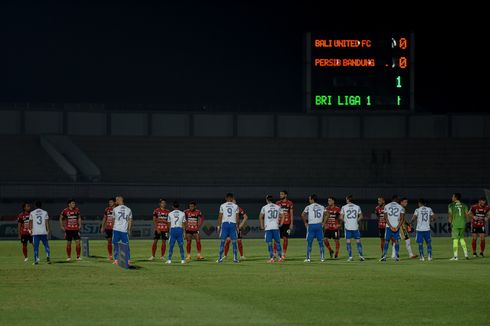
[[234, 56]]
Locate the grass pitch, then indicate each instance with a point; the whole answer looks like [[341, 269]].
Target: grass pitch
[[95, 292]]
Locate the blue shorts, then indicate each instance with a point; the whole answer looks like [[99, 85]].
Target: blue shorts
[[228, 229], [390, 234], [176, 234], [423, 236], [272, 235], [314, 231], [349, 234]]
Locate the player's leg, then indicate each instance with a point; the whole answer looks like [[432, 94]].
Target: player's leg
[[463, 242], [396, 237], [283, 230], [68, 236], [359, 244], [180, 241], [198, 245], [233, 237], [408, 245], [482, 241], [326, 236], [36, 249], [44, 240], [109, 243], [381, 233], [388, 235], [276, 235], [154, 245], [268, 241], [188, 237], [474, 236], [309, 241], [171, 245], [224, 234], [23, 241], [78, 247], [455, 238], [337, 243], [428, 241], [164, 245], [419, 238], [239, 243], [348, 245], [227, 246], [125, 239], [319, 238]]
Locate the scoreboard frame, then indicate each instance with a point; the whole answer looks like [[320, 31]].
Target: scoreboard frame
[[334, 66]]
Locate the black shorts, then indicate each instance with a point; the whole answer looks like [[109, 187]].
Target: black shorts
[[381, 233], [72, 235], [108, 234], [25, 238], [331, 234], [284, 230], [239, 234], [191, 232], [162, 235], [478, 229]]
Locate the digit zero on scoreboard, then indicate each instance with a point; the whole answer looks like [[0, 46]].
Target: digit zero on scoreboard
[[364, 71]]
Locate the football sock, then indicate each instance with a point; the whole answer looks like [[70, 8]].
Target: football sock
[[322, 249], [269, 247], [279, 248], [349, 249], [382, 244], [240, 247], [337, 247], [274, 246], [221, 249], [397, 250], [163, 248], [24, 250], [482, 245], [198, 245], [463, 245], [385, 249], [78, 249], [359, 248], [455, 247], [409, 248], [109, 248], [421, 249], [68, 250], [153, 249], [181, 249], [188, 247], [227, 246], [233, 245], [473, 244], [308, 248], [328, 244], [285, 245], [393, 251], [429, 249]]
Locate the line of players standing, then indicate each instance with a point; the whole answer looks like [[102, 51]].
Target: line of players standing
[[70, 222]]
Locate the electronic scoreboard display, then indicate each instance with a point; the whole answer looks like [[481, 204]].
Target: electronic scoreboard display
[[359, 71]]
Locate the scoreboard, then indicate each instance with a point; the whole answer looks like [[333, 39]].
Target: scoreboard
[[359, 71]]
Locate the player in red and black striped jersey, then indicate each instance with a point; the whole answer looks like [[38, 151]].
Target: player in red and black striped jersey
[[23, 228], [242, 220], [71, 222], [194, 221], [332, 227], [479, 214], [380, 214], [107, 223], [287, 207], [160, 222]]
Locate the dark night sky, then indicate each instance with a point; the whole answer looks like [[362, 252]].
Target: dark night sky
[[230, 55]]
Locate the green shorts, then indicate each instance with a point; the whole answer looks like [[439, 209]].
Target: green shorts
[[457, 233]]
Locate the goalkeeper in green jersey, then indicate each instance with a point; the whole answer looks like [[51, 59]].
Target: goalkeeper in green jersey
[[457, 218]]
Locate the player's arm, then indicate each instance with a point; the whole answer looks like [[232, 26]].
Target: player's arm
[[303, 217], [449, 216], [326, 215], [155, 224], [48, 228], [130, 223], [220, 219], [19, 228], [61, 222], [467, 214], [414, 217], [487, 216], [359, 216], [402, 220], [244, 221], [433, 217], [30, 224], [291, 216], [80, 221], [261, 221], [281, 219], [104, 220]]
